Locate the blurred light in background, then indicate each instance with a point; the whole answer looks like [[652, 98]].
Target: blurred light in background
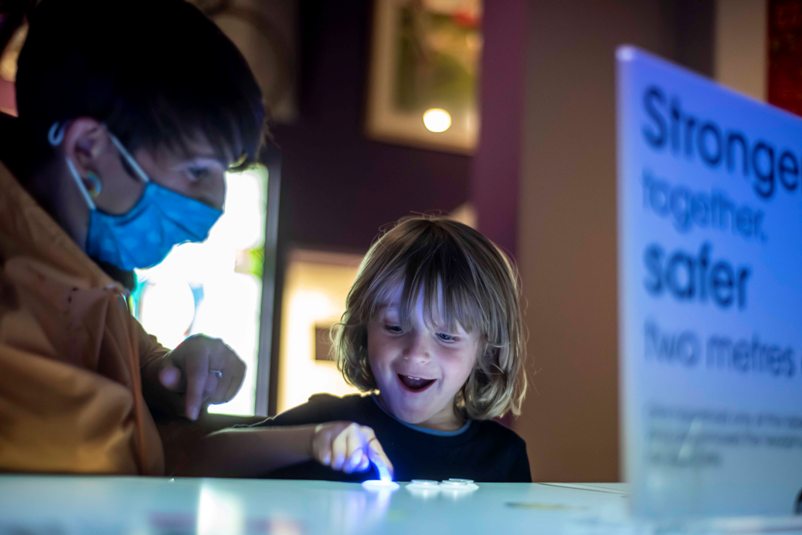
[[436, 120], [315, 288], [215, 288]]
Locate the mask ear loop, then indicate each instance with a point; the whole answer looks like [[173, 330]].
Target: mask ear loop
[[55, 136], [129, 158], [80, 183]]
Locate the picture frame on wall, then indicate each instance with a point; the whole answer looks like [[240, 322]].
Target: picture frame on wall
[[784, 59], [423, 78]]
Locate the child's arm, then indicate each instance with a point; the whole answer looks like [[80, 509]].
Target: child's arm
[[255, 451]]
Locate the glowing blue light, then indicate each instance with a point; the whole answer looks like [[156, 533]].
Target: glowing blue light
[[384, 472]]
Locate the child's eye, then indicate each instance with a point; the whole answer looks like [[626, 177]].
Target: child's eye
[[394, 329], [445, 337]]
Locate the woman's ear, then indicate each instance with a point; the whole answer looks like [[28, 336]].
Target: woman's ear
[[85, 141]]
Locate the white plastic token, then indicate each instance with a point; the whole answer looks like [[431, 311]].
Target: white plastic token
[[424, 483], [459, 485], [378, 484], [424, 489]]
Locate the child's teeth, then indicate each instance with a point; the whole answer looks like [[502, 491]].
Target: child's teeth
[[415, 382]]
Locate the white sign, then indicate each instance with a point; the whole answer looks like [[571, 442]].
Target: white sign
[[710, 267]]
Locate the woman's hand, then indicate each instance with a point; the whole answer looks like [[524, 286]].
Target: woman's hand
[[201, 370], [348, 447]]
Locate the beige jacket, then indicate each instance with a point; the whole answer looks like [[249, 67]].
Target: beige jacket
[[70, 354]]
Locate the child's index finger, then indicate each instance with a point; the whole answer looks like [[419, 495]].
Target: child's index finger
[[384, 472], [379, 458]]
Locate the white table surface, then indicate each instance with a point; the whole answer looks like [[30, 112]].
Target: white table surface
[[61, 505]]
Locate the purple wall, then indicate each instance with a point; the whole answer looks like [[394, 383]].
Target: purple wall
[[496, 173], [339, 187]]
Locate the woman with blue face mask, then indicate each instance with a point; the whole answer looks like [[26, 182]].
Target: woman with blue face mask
[[159, 219], [129, 114]]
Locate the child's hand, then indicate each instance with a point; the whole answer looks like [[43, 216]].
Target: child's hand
[[348, 447]]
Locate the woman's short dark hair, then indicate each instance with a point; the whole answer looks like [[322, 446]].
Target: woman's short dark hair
[[158, 73]]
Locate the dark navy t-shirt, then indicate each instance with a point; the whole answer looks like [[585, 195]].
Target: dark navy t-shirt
[[481, 450]]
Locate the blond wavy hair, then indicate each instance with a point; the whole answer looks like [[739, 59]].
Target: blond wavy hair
[[464, 278]]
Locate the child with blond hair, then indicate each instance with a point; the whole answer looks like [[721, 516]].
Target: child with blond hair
[[432, 334]]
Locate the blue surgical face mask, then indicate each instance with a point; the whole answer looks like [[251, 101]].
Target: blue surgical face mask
[[144, 235]]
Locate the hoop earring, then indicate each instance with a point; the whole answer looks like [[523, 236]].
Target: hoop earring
[[56, 134], [96, 184]]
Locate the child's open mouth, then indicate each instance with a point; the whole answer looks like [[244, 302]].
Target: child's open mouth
[[415, 384]]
